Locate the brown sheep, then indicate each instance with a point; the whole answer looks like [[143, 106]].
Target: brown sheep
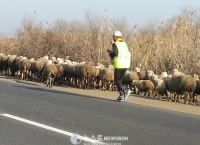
[[145, 86], [181, 84], [60, 72], [142, 75], [4, 64], [187, 87], [93, 73], [106, 76], [12, 65], [128, 79], [24, 66], [196, 91], [82, 72], [71, 73], [79, 76], [50, 72], [37, 68]]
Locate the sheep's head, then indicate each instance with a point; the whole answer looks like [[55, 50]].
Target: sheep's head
[[154, 77], [137, 69], [196, 77], [149, 74], [134, 82], [175, 70], [163, 75]]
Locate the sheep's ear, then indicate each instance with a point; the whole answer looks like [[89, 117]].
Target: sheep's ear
[[177, 66], [174, 67]]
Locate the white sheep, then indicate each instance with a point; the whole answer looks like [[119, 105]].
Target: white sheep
[[160, 87], [163, 75]]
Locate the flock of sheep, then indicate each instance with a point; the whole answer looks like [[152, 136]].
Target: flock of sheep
[[175, 86]]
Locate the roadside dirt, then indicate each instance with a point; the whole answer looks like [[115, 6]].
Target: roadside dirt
[[135, 99]]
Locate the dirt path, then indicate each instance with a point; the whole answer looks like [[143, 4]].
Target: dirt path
[[191, 109]]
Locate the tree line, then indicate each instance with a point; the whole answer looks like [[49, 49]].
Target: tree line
[[159, 46]]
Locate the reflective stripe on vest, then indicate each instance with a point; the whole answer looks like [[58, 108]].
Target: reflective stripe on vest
[[123, 59]]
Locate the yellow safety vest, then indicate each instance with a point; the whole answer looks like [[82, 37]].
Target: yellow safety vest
[[123, 59]]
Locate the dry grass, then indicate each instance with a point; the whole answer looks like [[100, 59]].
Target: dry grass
[[160, 46]]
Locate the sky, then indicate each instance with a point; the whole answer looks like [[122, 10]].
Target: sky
[[136, 12]]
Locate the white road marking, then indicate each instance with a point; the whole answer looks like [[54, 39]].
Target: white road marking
[[50, 128]]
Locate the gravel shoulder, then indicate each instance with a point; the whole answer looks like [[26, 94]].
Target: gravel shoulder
[[135, 99]]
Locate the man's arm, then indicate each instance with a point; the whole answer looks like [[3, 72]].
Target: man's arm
[[114, 51]]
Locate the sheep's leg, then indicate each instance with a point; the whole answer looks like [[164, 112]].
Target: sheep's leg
[[71, 81], [150, 93], [93, 83], [81, 83], [197, 99], [193, 98], [191, 101], [174, 97], [113, 86], [168, 95], [22, 76], [27, 74], [138, 92], [97, 84], [187, 96], [146, 94], [181, 98], [89, 83], [159, 96], [61, 79], [103, 86], [75, 81], [134, 90], [84, 83], [110, 86], [178, 98], [184, 98], [50, 81], [156, 95], [47, 81]]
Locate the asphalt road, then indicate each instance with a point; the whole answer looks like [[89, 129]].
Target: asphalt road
[[35, 115]]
